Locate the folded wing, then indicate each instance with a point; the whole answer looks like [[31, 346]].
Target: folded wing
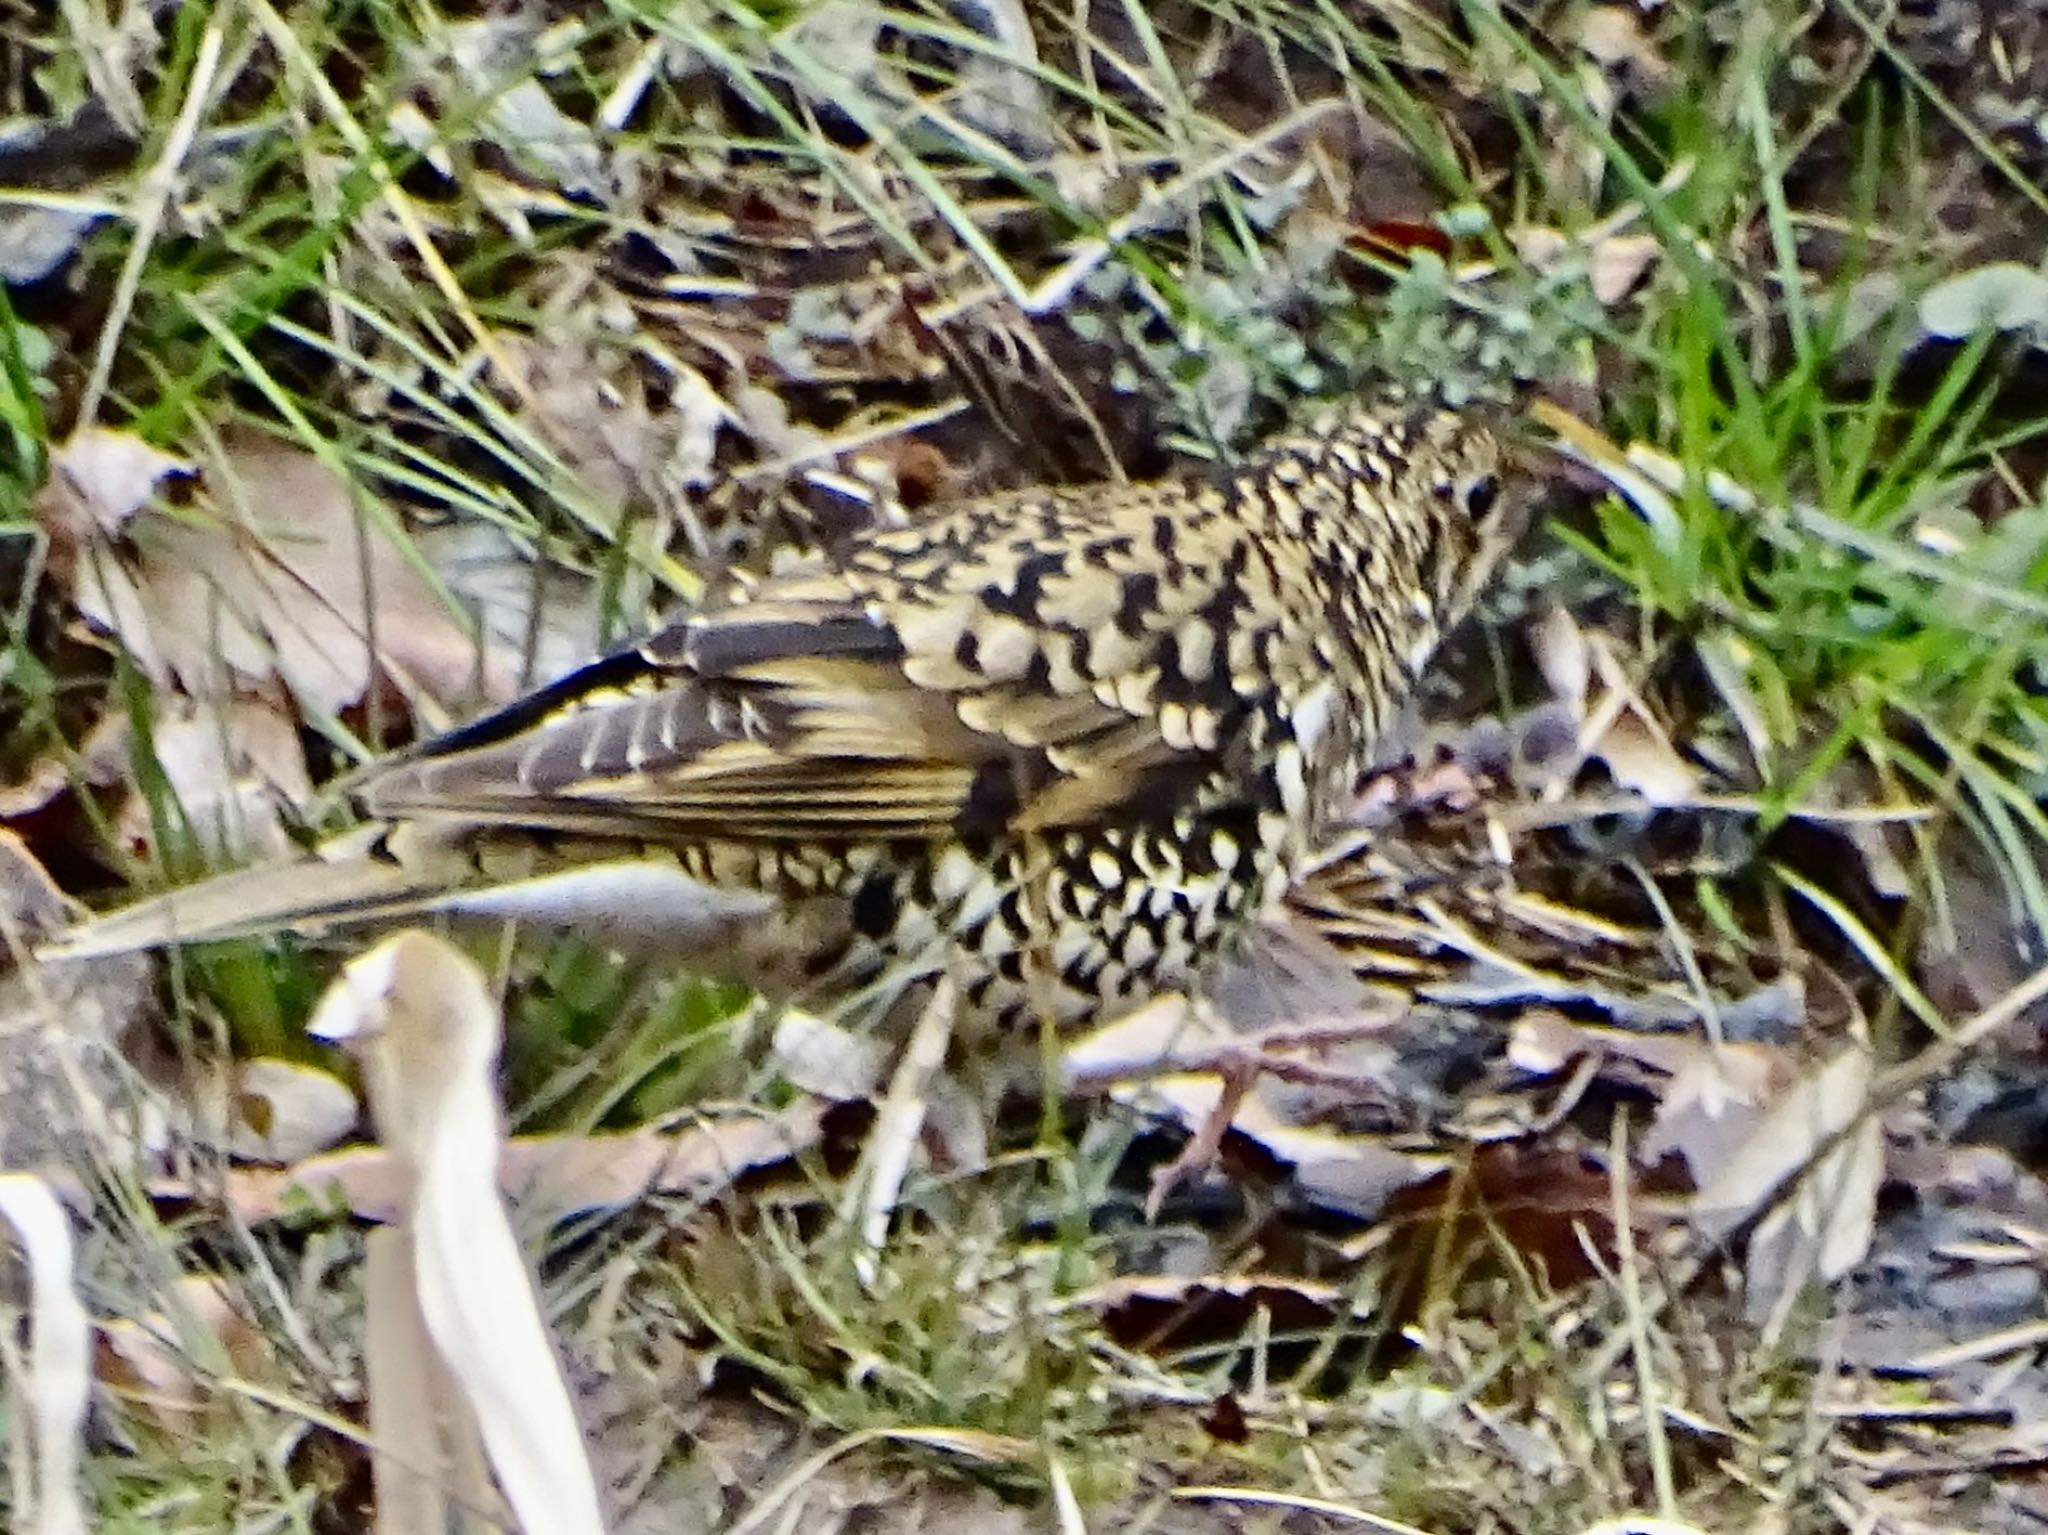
[[1044, 685]]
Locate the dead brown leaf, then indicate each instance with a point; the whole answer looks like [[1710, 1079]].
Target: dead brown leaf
[[32, 906], [566, 1175], [1712, 1105], [234, 763], [286, 1111], [50, 1394], [277, 572], [1613, 263], [1613, 36], [420, 1016], [1641, 757], [1560, 646], [1979, 944], [1165, 1312], [159, 1365], [590, 402], [1818, 1227], [1710, 1097], [99, 480]]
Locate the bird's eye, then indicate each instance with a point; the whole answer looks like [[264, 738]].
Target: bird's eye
[[1480, 496]]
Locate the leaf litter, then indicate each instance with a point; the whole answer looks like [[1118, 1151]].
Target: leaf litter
[[275, 574], [1535, 998]]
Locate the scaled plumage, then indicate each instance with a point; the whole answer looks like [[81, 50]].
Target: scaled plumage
[[1060, 743]]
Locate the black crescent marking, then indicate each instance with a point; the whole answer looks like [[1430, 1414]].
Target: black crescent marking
[[615, 672]]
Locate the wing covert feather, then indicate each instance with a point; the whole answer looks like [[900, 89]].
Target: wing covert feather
[[1052, 664]]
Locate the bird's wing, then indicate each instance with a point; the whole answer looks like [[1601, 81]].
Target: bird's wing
[[990, 667], [776, 718]]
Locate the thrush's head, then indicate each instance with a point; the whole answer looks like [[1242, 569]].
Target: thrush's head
[[1435, 499], [1472, 505]]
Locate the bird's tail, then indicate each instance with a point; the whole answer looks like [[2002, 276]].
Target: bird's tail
[[354, 878], [629, 895]]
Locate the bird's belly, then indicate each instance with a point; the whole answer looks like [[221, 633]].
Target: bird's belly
[[1070, 928]]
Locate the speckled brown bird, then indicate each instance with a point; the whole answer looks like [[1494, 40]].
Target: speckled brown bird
[[1059, 743]]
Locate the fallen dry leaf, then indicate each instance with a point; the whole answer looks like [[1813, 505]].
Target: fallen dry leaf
[[1543, 1043], [158, 1363], [1822, 1226], [1822, 1231], [1617, 264], [234, 763], [276, 571], [1710, 1097], [493, 59], [286, 1111], [827, 1059], [70, 1099], [1613, 723], [426, 1461], [1613, 36], [99, 480], [32, 905], [1712, 1105], [1980, 944], [551, 620], [1355, 1173], [421, 1016], [1561, 656], [1641, 757], [591, 406], [59, 1361], [1613, 263], [1167, 1312], [1156, 1034], [568, 1175], [565, 1175]]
